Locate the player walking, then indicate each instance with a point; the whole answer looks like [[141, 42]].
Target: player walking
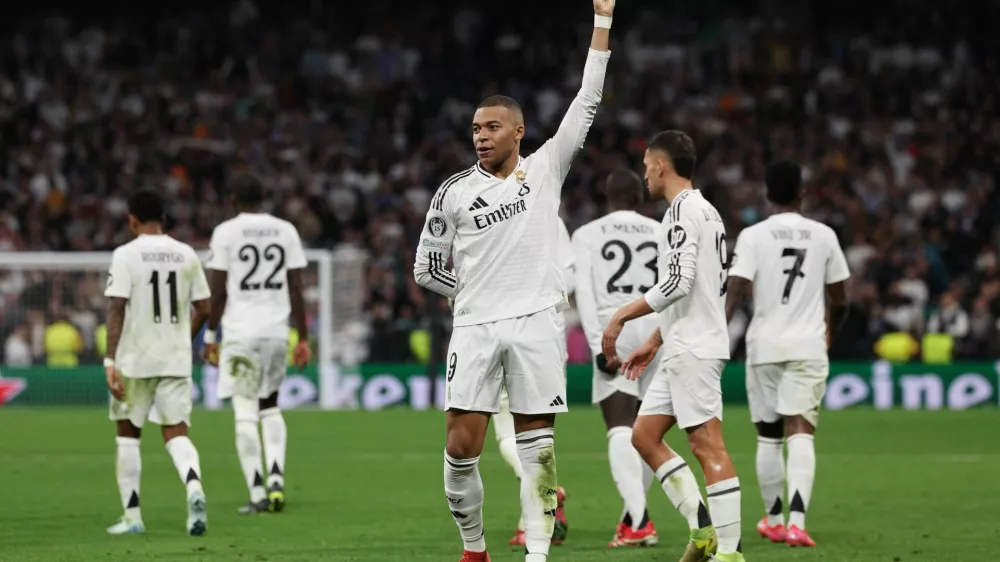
[[503, 421], [686, 388], [790, 261], [153, 282], [616, 259], [256, 265], [500, 218]]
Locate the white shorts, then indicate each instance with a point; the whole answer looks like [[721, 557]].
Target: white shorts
[[633, 335], [687, 388], [526, 355], [163, 400], [252, 368], [791, 388]]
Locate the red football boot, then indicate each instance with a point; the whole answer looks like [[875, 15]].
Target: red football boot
[[561, 527], [775, 533], [475, 557]]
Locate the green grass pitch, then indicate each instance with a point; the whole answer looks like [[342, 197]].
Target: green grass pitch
[[893, 486]]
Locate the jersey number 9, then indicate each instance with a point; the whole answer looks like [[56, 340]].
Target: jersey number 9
[[272, 254]]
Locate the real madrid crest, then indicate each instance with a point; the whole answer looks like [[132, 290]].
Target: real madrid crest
[[519, 176]]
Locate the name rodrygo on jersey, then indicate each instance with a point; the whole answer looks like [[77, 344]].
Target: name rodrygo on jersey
[[790, 259], [256, 250], [160, 277]]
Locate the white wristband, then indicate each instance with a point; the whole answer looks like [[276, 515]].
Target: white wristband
[[209, 336], [109, 362], [602, 21]]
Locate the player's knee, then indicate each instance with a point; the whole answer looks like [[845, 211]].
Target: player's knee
[[126, 429], [245, 410], [644, 441], [172, 431], [269, 402], [771, 430], [798, 424]]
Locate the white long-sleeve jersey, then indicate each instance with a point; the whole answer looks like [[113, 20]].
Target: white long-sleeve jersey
[[616, 260], [566, 258], [503, 233], [690, 297], [790, 259]]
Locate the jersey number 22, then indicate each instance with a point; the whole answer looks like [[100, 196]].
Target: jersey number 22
[[273, 253]]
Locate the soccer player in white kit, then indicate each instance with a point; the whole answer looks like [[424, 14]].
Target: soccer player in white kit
[[152, 284], [503, 421], [791, 263], [256, 266], [616, 260], [500, 218], [686, 389]]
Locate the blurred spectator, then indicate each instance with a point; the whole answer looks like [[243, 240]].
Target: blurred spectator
[[17, 350], [354, 121], [63, 343]]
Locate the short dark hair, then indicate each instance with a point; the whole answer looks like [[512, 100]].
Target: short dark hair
[[784, 182], [502, 101], [680, 148], [623, 188], [247, 190], [146, 206]]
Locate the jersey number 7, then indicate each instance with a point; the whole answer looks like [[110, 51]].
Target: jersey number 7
[[793, 272]]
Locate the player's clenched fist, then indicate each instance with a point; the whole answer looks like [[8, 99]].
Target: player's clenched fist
[[604, 7]]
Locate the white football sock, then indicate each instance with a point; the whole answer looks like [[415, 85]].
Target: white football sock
[[771, 477], [128, 469], [682, 489], [272, 427], [248, 447], [508, 450], [648, 476], [536, 449], [626, 470], [463, 487], [724, 505], [801, 474], [186, 460]]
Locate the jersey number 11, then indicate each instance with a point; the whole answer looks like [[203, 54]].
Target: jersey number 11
[[172, 285]]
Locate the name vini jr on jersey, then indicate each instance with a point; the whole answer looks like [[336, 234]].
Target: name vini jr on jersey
[[792, 235]]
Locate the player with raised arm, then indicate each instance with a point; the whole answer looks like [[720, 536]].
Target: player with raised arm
[[789, 262], [153, 283], [686, 389], [503, 421], [499, 221], [616, 259], [256, 266]]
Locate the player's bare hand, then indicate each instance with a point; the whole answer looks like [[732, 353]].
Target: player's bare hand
[[302, 354], [604, 7], [636, 363], [114, 383], [211, 354], [609, 342]]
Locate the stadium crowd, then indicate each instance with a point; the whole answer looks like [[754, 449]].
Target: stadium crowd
[[353, 127]]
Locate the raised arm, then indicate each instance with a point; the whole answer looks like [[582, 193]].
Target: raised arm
[[430, 268], [568, 140]]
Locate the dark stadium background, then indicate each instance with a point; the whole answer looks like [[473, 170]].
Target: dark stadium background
[[891, 106]]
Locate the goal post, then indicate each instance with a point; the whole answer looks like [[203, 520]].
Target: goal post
[[38, 287]]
